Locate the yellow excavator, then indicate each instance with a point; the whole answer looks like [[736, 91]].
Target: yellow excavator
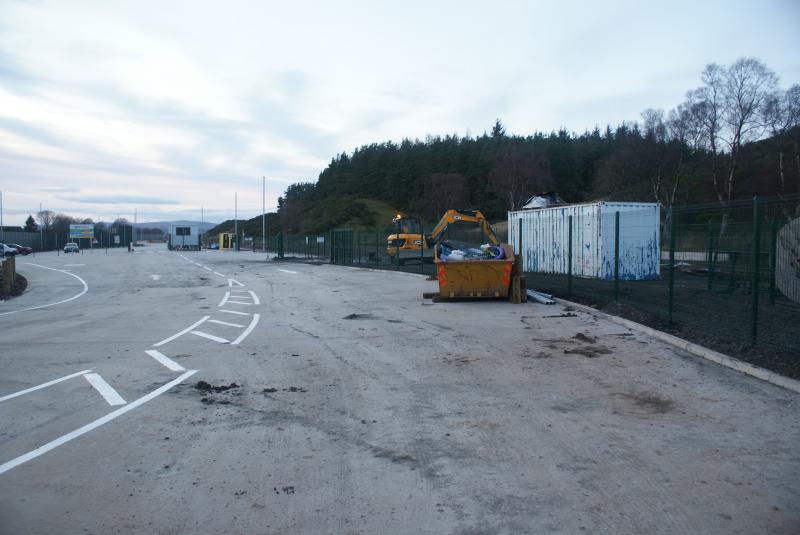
[[407, 239]]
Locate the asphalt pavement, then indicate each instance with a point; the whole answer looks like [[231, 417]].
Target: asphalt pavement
[[218, 392]]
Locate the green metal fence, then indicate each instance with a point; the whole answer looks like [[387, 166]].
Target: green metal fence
[[730, 280], [729, 276]]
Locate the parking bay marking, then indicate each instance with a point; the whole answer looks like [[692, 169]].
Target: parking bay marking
[[105, 389], [235, 312], [85, 289], [211, 337], [165, 360], [287, 271], [218, 322], [5, 467], [44, 385], [186, 330], [247, 331]]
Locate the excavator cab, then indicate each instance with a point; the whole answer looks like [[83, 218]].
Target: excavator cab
[[406, 240]]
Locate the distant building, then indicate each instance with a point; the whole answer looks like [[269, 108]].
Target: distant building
[[184, 237]]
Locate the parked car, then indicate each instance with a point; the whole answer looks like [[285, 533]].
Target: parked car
[[7, 251], [72, 247], [23, 250]]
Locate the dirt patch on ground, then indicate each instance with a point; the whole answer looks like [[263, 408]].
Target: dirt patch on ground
[[19, 286], [290, 389], [589, 352], [206, 387], [459, 361], [585, 338], [355, 316], [648, 402]]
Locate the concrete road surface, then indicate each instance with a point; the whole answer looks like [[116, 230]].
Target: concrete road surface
[[167, 392]]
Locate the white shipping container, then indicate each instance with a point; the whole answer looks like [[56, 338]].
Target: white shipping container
[[545, 239], [184, 236]]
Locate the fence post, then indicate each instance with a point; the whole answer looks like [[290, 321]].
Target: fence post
[[519, 246], [422, 247], [671, 298], [330, 246], [616, 256], [710, 259], [569, 259], [756, 267], [773, 250]]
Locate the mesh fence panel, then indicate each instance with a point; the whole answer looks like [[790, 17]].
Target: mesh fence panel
[[727, 278]]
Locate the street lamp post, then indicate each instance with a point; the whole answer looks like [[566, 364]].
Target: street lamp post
[[236, 220], [263, 214]]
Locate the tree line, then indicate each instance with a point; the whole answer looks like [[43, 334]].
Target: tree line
[[737, 134], [55, 223]]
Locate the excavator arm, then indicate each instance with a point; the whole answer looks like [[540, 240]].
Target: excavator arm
[[468, 216]]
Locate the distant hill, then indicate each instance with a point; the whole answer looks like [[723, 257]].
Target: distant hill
[[164, 225]]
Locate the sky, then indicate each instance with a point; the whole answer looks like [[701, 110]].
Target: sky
[[161, 108]]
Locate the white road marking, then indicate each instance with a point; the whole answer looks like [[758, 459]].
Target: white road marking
[[207, 268], [219, 274], [43, 385], [224, 299], [231, 282], [85, 289], [236, 312], [287, 271], [186, 330], [105, 389], [238, 291], [155, 277], [254, 296], [218, 322], [247, 331], [165, 360], [241, 303], [41, 450], [211, 337]]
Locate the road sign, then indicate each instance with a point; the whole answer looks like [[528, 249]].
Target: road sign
[[81, 231], [116, 240]]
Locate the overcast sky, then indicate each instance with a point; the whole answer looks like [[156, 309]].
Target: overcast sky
[[167, 106]]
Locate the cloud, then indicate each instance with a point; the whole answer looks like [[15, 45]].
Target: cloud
[[58, 189], [116, 199]]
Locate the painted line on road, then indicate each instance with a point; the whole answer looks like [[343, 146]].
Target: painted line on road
[[41, 450], [241, 303], [254, 296], [165, 360], [43, 385], [229, 324], [232, 282], [155, 277], [105, 389], [211, 337], [224, 299], [236, 312], [217, 273], [207, 268], [186, 330], [287, 271], [85, 289], [247, 331]]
